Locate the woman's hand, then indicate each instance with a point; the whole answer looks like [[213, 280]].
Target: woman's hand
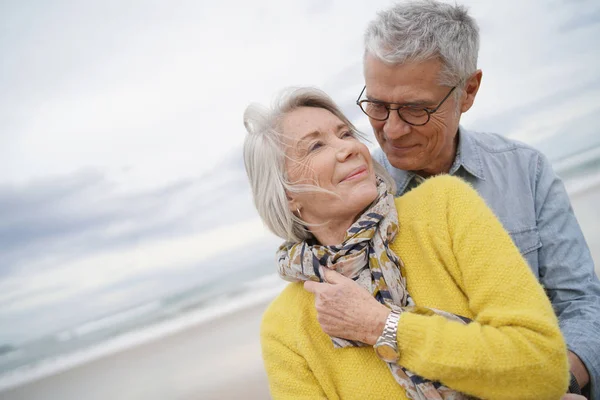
[[346, 310]]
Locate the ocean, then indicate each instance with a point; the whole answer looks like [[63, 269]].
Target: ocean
[[83, 343]]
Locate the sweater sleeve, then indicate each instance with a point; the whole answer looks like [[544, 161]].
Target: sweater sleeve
[[289, 375], [513, 349]]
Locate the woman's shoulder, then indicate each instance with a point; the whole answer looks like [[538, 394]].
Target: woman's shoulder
[[291, 299], [444, 183], [438, 190]]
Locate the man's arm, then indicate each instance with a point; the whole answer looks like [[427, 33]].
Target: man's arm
[[566, 270]]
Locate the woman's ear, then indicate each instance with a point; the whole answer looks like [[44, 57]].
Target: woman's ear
[[294, 205]]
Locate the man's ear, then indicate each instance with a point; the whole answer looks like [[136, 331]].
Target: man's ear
[[471, 88]]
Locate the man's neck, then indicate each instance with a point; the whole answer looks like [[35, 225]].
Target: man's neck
[[444, 162]]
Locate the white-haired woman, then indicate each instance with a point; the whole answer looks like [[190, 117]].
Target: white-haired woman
[[437, 300]]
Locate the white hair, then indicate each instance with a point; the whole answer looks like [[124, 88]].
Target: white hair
[[264, 159], [417, 31]]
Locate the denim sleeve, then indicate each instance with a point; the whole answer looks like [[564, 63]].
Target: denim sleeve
[[567, 272]]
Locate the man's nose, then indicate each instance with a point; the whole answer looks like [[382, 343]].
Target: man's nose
[[394, 127]]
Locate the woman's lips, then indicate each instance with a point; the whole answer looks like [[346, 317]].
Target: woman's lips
[[355, 173]]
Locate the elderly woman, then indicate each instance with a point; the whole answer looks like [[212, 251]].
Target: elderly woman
[[437, 302]]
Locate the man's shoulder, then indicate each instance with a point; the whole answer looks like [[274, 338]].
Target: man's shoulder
[[493, 153], [493, 143]]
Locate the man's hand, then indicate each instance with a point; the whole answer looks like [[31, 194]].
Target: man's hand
[[345, 309], [571, 396]]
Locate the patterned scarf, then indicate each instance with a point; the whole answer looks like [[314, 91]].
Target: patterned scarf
[[365, 256]]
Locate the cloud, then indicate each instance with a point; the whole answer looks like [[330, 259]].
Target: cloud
[[164, 102], [86, 236], [103, 269], [121, 125]]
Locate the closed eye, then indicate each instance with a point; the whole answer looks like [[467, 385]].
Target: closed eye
[[315, 146]]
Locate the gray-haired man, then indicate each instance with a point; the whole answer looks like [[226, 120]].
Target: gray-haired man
[[421, 74]]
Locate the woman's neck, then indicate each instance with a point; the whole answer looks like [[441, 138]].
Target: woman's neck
[[331, 233]]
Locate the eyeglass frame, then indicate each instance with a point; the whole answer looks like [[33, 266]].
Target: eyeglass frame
[[389, 108]]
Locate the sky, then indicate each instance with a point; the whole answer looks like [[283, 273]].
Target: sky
[[121, 177]]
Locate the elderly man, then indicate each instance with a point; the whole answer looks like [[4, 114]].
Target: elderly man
[[421, 74]]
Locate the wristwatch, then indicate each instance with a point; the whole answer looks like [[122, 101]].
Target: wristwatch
[[574, 385], [386, 346]]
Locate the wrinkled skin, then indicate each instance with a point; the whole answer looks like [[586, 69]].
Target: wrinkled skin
[[346, 310]]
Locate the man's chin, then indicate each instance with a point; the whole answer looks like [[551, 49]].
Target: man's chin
[[406, 157], [402, 163]]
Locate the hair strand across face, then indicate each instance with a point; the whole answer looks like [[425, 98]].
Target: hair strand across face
[[265, 159]]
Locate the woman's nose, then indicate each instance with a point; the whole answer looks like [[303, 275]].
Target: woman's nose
[[346, 149]]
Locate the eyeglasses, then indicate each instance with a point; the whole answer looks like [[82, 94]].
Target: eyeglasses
[[415, 116]]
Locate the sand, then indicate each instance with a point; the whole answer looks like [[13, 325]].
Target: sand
[[215, 360]]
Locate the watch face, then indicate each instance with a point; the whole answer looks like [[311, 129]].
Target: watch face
[[387, 353]]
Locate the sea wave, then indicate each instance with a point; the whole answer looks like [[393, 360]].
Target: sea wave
[[256, 292]]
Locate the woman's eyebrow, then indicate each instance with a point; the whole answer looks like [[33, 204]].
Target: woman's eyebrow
[[341, 127], [317, 133], [309, 135]]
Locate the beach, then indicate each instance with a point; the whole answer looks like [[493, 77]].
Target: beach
[[212, 359], [219, 359]]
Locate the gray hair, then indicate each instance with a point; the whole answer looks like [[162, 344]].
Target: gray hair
[[418, 31], [264, 159]]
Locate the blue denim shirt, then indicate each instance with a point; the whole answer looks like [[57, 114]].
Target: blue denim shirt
[[519, 185]]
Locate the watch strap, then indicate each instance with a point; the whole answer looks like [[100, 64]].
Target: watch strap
[[574, 385], [390, 330], [388, 338]]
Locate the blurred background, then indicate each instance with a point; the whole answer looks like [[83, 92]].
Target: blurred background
[[132, 261]]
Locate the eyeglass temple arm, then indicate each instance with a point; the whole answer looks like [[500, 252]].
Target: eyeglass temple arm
[[361, 93]]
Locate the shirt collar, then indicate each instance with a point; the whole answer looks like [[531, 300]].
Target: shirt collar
[[467, 156]]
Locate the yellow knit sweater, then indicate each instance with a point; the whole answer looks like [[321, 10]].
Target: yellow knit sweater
[[457, 258]]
